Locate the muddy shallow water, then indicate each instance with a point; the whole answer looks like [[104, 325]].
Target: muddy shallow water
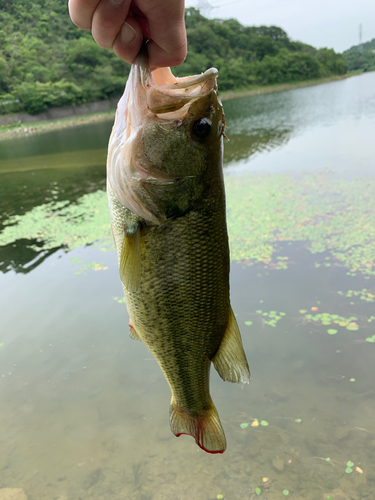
[[84, 409]]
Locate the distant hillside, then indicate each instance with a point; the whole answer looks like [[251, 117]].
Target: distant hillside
[[45, 61], [361, 57]]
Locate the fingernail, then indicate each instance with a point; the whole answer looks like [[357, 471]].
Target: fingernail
[[127, 33]]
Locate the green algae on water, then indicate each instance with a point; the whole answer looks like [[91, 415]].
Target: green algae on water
[[363, 294], [62, 224], [338, 217], [328, 319], [271, 318], [262, 210]]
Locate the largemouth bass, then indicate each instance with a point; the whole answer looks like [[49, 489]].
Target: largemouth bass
[[167, 207]]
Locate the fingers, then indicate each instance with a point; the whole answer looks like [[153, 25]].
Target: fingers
[[107, 21], [114, 26], [111, 24], [81, 12], [166, 23], [128, 41]]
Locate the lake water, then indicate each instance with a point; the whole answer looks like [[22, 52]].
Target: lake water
[[84, 409]]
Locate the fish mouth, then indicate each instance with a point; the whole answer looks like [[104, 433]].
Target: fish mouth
[[150, 98], [163, 97], [160, 95]]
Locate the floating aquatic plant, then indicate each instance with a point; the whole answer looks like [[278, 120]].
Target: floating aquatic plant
[[121, 300], [327, 319], [270, 318], [61, 224], [363, 294], [263, 210], [330, 216], [95, 266]]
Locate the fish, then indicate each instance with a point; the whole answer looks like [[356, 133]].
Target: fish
[[166, 201]]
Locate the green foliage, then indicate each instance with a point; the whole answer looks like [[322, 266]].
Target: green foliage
[[246, 56], [361, 57], [46, 61], [288, 67]]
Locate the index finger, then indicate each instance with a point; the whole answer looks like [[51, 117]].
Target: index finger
[[81, 12], [166, 24]]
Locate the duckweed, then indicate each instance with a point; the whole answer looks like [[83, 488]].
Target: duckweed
[[363, 294], [263, 210]]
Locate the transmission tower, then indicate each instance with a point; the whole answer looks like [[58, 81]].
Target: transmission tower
[[360, 46]]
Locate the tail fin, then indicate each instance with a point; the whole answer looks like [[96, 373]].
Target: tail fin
[[206, 429]]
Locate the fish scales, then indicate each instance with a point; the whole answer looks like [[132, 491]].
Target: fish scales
[[175, 271]]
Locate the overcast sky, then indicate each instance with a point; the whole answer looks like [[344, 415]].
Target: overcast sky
[[321, 23]]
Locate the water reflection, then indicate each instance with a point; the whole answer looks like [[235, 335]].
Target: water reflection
[[244, 146]]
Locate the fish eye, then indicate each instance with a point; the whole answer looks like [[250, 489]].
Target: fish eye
[[201, 128]]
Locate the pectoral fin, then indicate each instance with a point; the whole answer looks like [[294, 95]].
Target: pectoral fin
[[130, 260], [230, 360], [132, 333]]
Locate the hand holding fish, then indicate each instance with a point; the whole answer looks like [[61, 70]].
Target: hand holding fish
[[121, 25]]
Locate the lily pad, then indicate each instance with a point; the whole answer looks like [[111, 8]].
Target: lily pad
[[352, 328], [332, 331], [264, 423], [258, 491], [244, 425]]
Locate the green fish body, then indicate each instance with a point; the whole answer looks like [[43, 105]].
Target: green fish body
[[167, 206]]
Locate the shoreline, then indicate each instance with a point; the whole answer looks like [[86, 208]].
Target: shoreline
[[26, 129]]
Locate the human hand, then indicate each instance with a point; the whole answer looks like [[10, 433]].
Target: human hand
[[121, 25]]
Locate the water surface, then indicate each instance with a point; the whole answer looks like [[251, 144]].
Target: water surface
[[84, 409]]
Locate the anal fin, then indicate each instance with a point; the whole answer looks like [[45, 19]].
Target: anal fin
[[130, 260], [230, 360]]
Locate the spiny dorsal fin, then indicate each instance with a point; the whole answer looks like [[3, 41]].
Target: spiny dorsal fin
[[230, 360], [130, 260]]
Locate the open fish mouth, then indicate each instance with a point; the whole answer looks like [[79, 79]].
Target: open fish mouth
[[156, 102], [168, 97], [161, 96]]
